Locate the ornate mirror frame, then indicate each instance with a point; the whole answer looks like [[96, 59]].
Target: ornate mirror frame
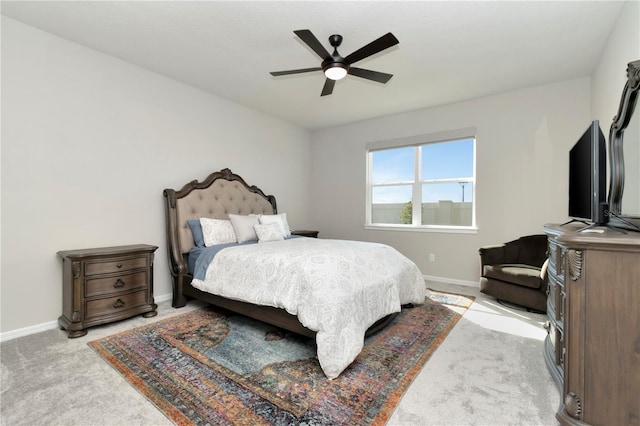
[[616, 152]]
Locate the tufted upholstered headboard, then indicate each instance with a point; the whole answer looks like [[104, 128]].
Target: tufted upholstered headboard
[[215, 197]]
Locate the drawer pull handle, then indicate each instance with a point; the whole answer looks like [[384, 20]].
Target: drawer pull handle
[[119, 265], [119, 284], [119, 304]]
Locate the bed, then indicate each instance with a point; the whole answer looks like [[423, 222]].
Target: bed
[[305, 299]]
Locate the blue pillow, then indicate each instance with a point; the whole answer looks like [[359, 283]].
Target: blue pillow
[[196, 231]]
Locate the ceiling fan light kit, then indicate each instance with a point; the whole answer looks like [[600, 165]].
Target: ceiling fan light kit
[[335, 71], [335, 67]]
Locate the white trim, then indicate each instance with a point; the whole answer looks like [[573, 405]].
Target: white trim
[[416, 191], [21, 332], [417, 142], [430, 228], [163, 298], [447, 135], [367, 213], [450, 281], [52, 325]]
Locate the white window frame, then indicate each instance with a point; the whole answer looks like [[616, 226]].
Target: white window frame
[[417, 142]]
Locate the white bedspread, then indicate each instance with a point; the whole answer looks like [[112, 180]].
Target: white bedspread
[[337, 288]]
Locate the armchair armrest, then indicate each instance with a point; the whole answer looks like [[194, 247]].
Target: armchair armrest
[[544, 275]]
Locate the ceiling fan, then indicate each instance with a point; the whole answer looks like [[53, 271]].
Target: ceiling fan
[[335, 66]]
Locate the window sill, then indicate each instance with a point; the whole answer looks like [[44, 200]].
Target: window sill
[[433, 228]]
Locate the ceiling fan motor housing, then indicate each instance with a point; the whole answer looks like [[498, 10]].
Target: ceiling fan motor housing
[[335, 40], [335, 60]]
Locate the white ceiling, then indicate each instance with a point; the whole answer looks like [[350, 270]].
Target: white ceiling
[[449, 51]]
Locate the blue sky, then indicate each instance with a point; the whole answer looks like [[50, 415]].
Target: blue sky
[[444, 160]]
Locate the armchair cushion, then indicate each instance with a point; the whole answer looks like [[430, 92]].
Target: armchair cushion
[[523, 275]]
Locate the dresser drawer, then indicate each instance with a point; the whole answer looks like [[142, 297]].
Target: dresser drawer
[[115, 284], [552, 249], [115, 265], [551, 294], [560, 253], [115, 304], [556, 260]]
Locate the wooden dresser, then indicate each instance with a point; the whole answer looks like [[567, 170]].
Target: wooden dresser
[[102, 285], [593, 345]]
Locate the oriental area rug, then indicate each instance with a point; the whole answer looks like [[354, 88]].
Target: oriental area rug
[[209, 367]]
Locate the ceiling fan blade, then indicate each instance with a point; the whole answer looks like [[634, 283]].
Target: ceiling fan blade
[[328, 87], [311, 41], [277, 73], [378, 45], [380, 77]]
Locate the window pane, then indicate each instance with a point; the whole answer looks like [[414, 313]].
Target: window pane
[[447, 191], [439, 193], [447, 160], [448, 203], [391, 204], [392, 165]]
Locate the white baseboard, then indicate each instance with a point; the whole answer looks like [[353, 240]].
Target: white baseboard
[[51, 325], [163, 298], [451, 281], [21, 332], [14, 334]]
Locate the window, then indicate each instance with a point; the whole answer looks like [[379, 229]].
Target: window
[[435, 172]]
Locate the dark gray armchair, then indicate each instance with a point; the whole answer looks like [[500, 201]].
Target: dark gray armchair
[[516, 271]]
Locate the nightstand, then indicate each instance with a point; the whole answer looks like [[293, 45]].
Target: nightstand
[[305, 233], [102, 285]]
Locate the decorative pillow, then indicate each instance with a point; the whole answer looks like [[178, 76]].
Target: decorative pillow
[[243, 227], [196, 231], [269, 232], [280, 219], [216, 231]]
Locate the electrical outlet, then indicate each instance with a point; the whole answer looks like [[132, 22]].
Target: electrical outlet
[[432, 257]]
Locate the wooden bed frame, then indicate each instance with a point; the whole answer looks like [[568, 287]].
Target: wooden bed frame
[[216, 196]]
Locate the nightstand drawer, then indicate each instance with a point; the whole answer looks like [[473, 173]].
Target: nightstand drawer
[[109, 305], [118, 265], [115, 284]]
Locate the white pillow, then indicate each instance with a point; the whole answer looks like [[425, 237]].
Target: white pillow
[[280, 219], [216, 231], [243, 227], [269, 232]]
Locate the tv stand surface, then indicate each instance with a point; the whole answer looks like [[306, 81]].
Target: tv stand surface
[[599, 228], [591, 225], [574, 221]]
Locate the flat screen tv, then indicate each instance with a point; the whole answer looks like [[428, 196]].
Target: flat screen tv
[[587, 177]]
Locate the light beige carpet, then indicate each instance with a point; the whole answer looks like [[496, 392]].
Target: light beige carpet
[[489, 371]]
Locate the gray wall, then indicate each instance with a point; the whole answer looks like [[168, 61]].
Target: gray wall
[[522, 145], [622, 47], [522, 148], [88, 144]]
